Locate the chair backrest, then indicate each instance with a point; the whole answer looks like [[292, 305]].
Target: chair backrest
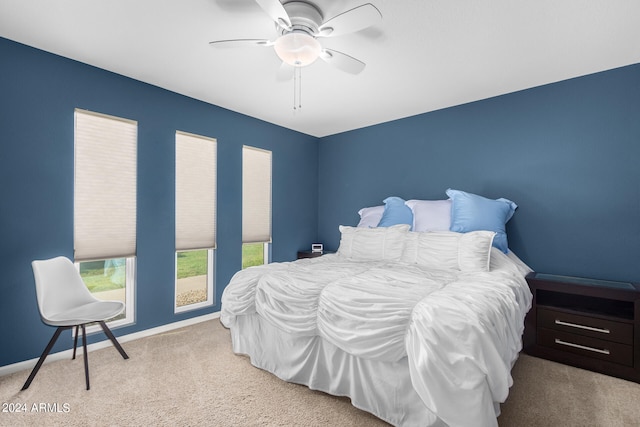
[[59, 287]]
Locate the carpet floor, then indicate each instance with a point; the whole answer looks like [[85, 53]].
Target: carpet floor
[[190, 377]]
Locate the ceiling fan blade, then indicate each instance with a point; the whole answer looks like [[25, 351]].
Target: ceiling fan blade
[[342, 61], [276, 11], [285, 72], [350, 21], [240, 43]]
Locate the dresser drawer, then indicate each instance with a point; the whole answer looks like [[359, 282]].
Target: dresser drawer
[[609, 330], [586, 346]]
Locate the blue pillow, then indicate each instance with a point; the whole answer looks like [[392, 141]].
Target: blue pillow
[[470, 212], [395, 212]]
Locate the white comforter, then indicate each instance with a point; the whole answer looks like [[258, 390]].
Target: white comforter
[[461, 332]]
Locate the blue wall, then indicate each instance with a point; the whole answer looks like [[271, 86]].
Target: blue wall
[[38, 94], [567, 153]]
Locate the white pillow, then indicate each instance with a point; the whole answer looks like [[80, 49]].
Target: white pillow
[[448, 250], [370, 217], [474, 250], [430, 215], [384, 243]]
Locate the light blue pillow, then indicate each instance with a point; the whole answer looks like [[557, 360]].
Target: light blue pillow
[[395, 212], [470, 212]]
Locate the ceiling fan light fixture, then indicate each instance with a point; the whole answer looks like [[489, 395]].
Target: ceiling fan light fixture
[[298, 49]]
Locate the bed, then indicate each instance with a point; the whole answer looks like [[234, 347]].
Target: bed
[[418, 328]]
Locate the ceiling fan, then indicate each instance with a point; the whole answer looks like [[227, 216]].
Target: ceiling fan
[[299, 25]]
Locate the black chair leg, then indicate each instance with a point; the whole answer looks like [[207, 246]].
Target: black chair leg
[[86, 355], [44, 355], [53, 340], [113, 339], [75, 343]]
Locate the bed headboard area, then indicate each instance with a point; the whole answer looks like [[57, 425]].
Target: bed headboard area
[[566, 153]]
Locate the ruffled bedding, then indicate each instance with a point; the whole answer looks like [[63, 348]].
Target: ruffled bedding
[[459, 332]]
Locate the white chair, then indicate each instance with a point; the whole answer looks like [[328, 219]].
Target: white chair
[[64, 301]]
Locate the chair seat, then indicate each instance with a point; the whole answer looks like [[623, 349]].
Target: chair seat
[[87, 313]]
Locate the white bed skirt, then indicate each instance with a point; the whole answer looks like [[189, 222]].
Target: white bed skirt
[[381, 388]]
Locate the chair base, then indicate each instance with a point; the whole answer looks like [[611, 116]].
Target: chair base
[[53, 340]]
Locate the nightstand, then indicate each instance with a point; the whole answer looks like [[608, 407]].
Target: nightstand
[[310, 254], [587, 323]]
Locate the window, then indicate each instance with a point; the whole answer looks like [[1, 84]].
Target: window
[[254, 254], [256, 206], [111, 279], [104, 223], [195, 221]]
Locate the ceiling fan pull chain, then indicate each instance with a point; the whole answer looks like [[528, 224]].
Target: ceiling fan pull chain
[[297, 88], [300, 88]]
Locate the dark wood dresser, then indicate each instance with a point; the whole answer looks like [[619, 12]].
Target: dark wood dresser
[[587, 323]]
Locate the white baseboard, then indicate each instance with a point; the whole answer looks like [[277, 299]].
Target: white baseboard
[[66, 354]]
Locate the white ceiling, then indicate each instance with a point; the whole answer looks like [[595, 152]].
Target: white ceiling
[[425, 55]]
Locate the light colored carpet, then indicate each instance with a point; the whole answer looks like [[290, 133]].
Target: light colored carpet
[[190, 377]]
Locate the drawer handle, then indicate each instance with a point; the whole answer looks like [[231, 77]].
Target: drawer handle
[[583, 347], [588, 328]]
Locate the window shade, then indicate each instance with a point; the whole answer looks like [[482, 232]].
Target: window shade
[[256, 195], [195, 192], [105, 186]]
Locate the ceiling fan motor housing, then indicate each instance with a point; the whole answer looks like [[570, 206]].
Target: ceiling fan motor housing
[[305, 17]]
